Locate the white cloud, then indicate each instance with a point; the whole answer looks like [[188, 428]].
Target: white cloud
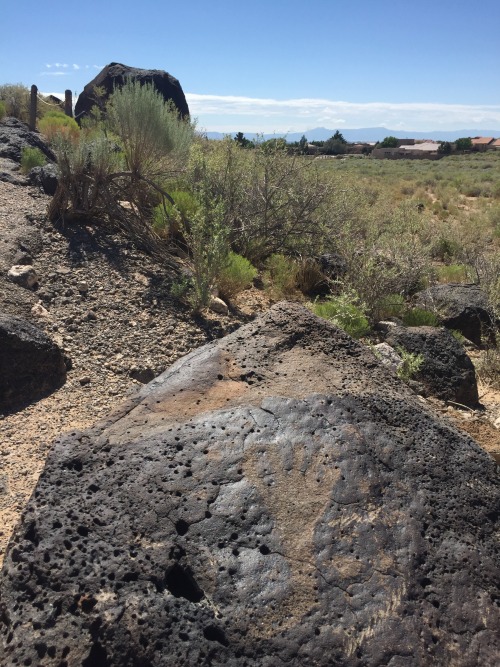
[[58, 73], [233, 112], [76, 66]]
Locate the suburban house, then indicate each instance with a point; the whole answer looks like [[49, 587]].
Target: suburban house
[[482, 143], [411, 150]]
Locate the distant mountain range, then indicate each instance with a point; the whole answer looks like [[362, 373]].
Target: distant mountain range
[[367, 134]]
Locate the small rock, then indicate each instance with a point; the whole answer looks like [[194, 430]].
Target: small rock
[[24, 275], [219, 306], [84, 380], [142, 375], [82, 287], [388, 356], [39, 311], [90, 316]]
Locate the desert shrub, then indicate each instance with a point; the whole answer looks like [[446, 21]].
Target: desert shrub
[[181, 287], [444, 249], [411, 364], [452, 273], [172, 217], [154, 139], [419, 317], [390, 305], [16, 98], [31, 157], [346, 311], [309, 275], [3, 110], [275, 202], [208, 241], [488, 368], [144, 144], [56, 123], [235, 276], [280, 275]]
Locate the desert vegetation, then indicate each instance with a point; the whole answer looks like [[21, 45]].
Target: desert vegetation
[[235, 210]]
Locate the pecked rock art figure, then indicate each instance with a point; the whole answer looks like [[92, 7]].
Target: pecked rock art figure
[[274, 498]]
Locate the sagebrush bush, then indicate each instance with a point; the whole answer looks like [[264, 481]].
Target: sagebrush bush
[[16, 98], [3, 110], [390, 305], [56, 123], [419, 317], [31, 157], [345, 311], [235, 276], [171, 219], [280, 275]]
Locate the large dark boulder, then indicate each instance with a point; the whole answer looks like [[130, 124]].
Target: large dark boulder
[[115, 75], [274, 498], [31, 364], [46, 178], [16, 135], [464, 308], [447, 372]]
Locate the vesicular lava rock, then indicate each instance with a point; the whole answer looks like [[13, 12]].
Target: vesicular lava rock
[[31, 364], [276, 497], [115, 74]]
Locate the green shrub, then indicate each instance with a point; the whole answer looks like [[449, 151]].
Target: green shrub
[[181, 287], [16, 98], [280, 275], [31, 157], [419, 317], [171, 219], [452, 273], [3, 110], [391, 305], [345, 311], [56, 123], [236, 276], [412, 363]]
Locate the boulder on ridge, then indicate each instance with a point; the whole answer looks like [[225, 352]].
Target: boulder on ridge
[[276, 497], [16, 135], [115, 74]]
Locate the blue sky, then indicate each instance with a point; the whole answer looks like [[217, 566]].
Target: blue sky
[[277, 65]]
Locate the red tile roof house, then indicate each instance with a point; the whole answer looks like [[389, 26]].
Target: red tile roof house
[[481, 143], [495, 144]]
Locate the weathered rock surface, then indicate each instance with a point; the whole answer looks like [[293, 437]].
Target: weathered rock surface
[[275, 497], [23, 275], [446, 371], [45, 177], [31, 364], [461, 307], [16, 135], [115, 74]]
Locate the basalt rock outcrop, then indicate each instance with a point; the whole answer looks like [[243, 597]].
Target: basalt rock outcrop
[[31, 364], [16, 135], [446, 371], [461, 307], [115, 75], [275, 497]]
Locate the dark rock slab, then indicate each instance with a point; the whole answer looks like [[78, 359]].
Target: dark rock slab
[[446, 372], [31, 364], [461, 307], [16, 135], [115, 74], [275, 498]]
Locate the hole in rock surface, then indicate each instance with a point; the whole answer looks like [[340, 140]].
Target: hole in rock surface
[[182, 584]]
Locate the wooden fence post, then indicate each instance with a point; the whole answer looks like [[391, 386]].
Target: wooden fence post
[[68, 103], [33, 101]]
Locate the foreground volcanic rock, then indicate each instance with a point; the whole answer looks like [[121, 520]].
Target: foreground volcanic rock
[[275, 497]]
